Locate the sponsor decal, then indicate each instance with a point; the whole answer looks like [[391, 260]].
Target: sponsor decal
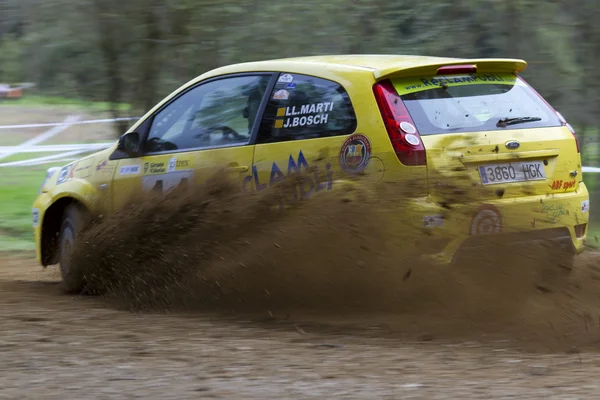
[[554, 212], [487, 220], [101, 165], [78, 169], [431, 221], [281, 95], [155, 168], [172, 164], [412, 85], [129, 170], [313, 179], [290, 86], [72, 170], [304, 115], [35, 217], [83, 169], [585, 206], [561, 185], [286, 78], [182, 164], [105, 166], [305, 109], [355, 153]]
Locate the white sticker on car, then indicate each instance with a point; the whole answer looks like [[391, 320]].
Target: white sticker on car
[[35, 217], [585, 206], [129, 170], [285, 78], [172, 164], [431, 221], [281, 95]]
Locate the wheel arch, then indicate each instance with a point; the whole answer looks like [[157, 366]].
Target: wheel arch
[[51, 228]]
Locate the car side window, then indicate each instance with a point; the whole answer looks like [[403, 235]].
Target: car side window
[[214, 114], [306, 107]]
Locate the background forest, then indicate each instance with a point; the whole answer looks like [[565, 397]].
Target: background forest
[[127, 55], [138, 51]]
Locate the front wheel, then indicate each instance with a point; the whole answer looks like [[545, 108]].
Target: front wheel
[[72, 223]]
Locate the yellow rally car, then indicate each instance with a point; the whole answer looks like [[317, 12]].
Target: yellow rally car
[[455, 125]]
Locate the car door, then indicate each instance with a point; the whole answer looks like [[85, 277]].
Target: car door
[[201, 131], [304, 129]]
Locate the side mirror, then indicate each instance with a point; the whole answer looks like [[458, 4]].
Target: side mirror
[[129, 143]]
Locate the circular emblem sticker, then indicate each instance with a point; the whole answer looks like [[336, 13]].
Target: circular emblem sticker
[[355, 153], [487, 220]]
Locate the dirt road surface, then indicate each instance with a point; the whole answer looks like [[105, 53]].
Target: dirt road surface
[[53, 346], [432, 334]]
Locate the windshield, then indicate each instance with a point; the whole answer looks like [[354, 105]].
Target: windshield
[[475, 102]]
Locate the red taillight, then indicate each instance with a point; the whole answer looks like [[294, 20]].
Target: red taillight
[[559, 115], [400, 127], [565, 123], [457, 69]]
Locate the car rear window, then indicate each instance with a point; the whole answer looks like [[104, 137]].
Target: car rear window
[[306, 107], [474, 102]]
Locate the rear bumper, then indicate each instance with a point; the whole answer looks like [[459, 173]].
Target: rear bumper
[[557, 219], [517, 243]]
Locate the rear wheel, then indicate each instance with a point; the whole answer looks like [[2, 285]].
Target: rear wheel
[[73, 221]]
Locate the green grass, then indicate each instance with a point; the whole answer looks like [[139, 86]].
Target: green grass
[[19, 189], [39, 100]]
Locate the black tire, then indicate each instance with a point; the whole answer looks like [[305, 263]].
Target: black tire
[[74, 219]]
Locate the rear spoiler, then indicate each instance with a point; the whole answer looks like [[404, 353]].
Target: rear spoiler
[[484, 65]]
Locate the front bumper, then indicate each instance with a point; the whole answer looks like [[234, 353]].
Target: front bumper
[[40, 205]]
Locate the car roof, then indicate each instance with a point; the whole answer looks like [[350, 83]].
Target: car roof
[[372, 61], [375, 66], [379, 65]]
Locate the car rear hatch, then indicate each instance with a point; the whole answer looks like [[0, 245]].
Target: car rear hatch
[[483, 135]]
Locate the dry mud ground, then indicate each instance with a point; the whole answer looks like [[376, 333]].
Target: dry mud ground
[[54, 345], [441, 335]]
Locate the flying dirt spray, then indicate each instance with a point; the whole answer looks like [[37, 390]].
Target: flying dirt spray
[[222, 249]]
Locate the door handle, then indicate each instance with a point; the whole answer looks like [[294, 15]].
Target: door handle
[[240, 168]]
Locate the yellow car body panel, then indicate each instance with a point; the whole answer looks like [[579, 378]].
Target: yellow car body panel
[[189, 169], [454, 160], [83, 182]]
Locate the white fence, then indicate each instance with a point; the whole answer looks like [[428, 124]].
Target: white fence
[[67, 151]]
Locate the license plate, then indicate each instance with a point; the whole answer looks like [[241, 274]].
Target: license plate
[[492, 174]]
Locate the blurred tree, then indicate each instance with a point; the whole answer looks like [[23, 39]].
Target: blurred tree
[[138, 51]]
